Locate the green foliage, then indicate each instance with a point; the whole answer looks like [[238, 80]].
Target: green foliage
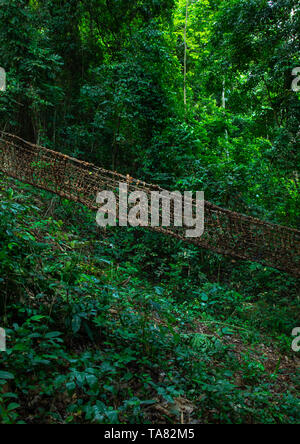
[[127, 326], [92, 340]]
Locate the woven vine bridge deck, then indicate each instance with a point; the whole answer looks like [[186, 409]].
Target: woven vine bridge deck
[[226, 232]]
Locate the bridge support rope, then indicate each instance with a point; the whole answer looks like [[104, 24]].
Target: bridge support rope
[[226, 232]]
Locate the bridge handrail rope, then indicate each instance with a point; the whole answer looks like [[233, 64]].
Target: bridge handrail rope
[[226, 232]]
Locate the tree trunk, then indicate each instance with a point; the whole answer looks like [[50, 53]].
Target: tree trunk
[[185, 51]]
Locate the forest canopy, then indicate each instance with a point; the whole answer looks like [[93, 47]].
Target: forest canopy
[[156, 89]]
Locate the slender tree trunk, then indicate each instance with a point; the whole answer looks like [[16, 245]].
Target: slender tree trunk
[[185, 51], [223, 96], [224, 106], [115, 148]]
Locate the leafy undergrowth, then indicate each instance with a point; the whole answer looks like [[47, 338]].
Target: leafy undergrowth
[[123, 326]]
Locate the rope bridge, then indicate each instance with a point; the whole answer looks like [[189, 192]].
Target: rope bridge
[[226, 232]]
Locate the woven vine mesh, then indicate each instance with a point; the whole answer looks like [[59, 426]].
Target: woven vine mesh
[[226, 232]]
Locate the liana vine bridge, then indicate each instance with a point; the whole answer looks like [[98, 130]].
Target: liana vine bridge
[[226, 232]]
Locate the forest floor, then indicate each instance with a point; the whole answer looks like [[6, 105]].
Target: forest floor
[[124, 326]]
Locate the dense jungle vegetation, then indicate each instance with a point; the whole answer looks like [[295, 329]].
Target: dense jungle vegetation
[[126, 326]]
